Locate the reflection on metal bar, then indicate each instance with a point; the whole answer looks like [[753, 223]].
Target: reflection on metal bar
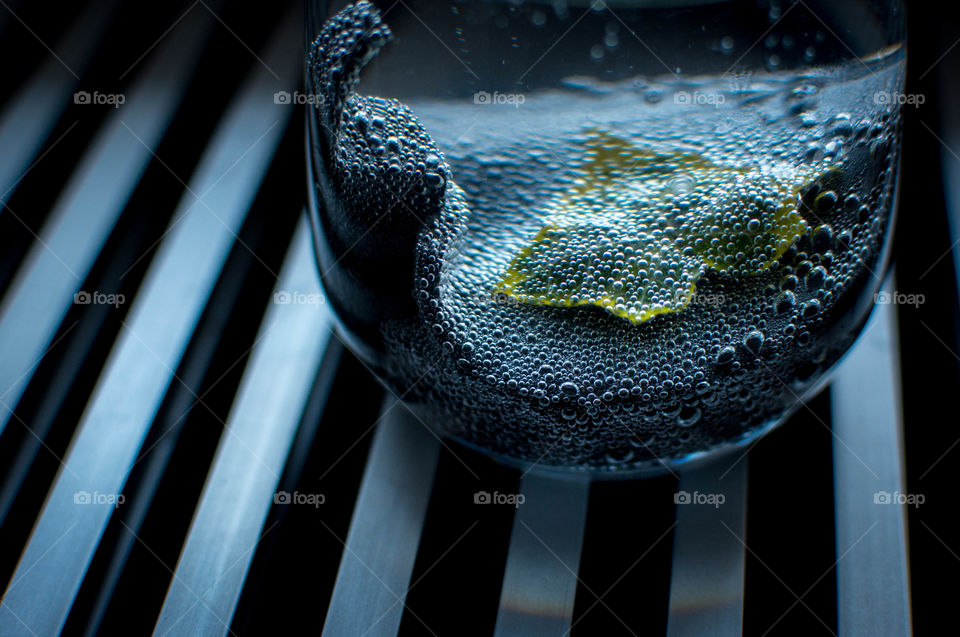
[[81, 220], [241, 484], [378, 556], [158, 328], [28, 119], [706, 581], [949, 96], [872, 578], [540, 579]]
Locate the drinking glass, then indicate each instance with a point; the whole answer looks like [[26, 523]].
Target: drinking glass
[[605, 237]]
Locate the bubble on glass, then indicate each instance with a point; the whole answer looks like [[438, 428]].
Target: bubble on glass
[[726, 355], [681, 184]]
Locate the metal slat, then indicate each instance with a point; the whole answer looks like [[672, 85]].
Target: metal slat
[[81, 220], [540, 578], [872, 574], [174, 419], [158, 328], [27, 120], [949, 159], [381, 547], [706, 580], [246, 469]]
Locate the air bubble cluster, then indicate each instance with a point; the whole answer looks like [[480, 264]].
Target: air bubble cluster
[[577, 385]]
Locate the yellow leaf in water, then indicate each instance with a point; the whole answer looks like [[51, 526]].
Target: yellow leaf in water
[[638, 228]]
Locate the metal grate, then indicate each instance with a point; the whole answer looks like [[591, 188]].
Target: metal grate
[[204, 385]]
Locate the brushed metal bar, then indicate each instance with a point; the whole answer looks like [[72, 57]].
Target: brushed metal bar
[[873, 588], [381, 546], [706, 580], [540, 578], [240, 487]]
